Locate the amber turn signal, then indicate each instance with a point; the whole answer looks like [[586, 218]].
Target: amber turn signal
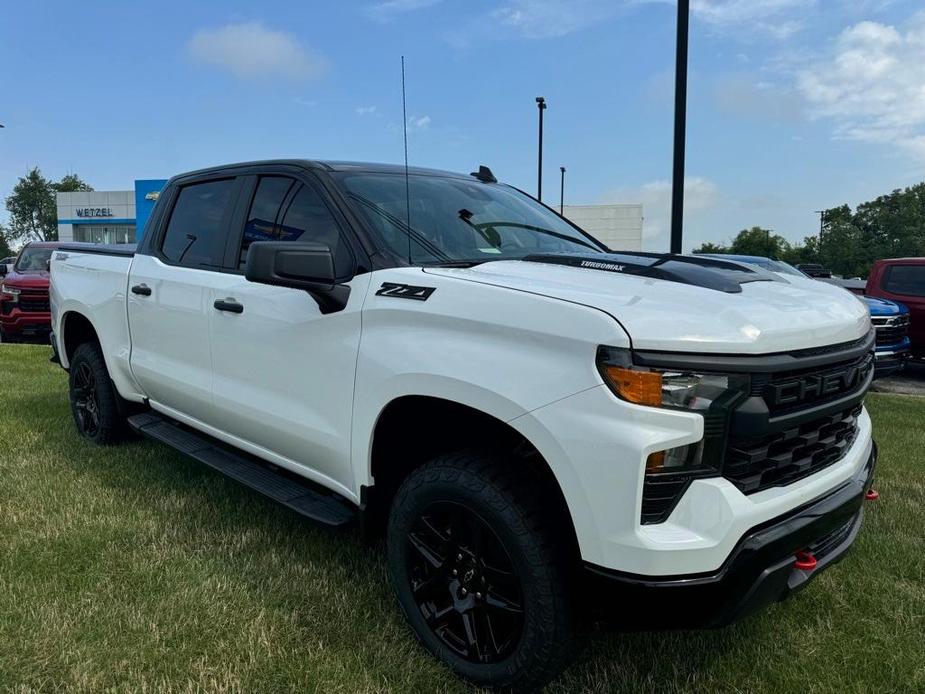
[[640, 387]]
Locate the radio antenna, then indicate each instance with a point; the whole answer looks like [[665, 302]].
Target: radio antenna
[[404, 118]]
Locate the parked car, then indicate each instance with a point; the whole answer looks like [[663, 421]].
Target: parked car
[[24, 309], [538, 427], [889, 318], [6, 264], [814, 270], [855, 286], [903, 279]]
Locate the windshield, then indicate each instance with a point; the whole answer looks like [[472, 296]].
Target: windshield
[[33, 259], [454, 220]]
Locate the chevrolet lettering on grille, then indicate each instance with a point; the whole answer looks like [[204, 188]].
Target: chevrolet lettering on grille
[[818, 386]]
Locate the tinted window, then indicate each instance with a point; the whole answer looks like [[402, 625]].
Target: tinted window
[[263, 219], [456, 219], [905, 279], [308, 220], [195, 237]]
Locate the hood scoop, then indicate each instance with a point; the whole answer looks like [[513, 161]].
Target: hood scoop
[[709, 273]]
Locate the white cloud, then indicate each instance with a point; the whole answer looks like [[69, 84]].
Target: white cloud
[[872, 86], [389, 9], [249, 50], [418, 122], [700, 194], [365, 110], [539, 19], [746, 95]]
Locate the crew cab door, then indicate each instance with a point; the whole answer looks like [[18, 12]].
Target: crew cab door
[[283, 372], [169, 297]]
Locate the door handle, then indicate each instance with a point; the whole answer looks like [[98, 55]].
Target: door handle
[[229, 305], [141, 290]]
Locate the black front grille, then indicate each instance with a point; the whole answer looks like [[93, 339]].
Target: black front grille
[[34, 303], [755, 464], [791, 391]]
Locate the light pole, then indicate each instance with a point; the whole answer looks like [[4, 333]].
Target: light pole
[[541, 106], [562, 191], [680, 125], [821, 214]]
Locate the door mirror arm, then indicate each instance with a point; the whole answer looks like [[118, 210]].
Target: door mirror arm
[[307, 266]]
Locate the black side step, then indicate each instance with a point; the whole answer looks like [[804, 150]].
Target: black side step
[[322, 506]]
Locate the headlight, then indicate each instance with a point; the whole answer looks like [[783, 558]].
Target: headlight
[[10, 291], [711, 395], [697, 392]]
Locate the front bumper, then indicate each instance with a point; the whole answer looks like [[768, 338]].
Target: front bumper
[[758, 572], [888, 359], [22, 324]]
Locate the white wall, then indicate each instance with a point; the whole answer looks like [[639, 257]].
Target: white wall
[[120, 202], [618, 226]]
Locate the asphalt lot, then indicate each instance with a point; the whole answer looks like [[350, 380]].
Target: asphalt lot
[[910, 381]]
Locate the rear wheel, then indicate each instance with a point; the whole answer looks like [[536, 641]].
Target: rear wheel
[[479, 573], [94, 401]]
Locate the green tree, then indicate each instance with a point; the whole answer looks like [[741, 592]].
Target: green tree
[[711, 248], [5, 250], [32, 208], [758, 241]]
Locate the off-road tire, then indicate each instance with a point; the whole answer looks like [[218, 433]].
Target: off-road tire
[[508, 499], [87, 363]]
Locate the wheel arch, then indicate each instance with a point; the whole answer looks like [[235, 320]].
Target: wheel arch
[[412, 429]]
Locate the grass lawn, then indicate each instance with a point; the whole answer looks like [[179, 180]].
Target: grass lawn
[[132, 568]]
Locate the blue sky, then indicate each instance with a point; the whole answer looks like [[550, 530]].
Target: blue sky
[[794, 105]]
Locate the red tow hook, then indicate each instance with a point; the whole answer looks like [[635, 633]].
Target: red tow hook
[[805, 561], [871, 495]]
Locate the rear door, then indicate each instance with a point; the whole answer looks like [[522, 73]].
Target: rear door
[[169, 299], [905, 282], [283, 372]]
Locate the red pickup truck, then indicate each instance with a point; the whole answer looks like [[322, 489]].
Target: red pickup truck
[[24, 309], [903, 280]]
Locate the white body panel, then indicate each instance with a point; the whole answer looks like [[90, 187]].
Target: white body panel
[[515, 340], [765, 317], [284, 373]]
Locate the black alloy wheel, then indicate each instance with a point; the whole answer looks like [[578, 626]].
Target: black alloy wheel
[[86, 404], [483, 571], [464, 583], [99, 412]]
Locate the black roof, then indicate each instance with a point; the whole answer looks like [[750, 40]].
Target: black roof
[[327, 165]]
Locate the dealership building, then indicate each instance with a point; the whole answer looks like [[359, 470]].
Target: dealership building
[[619, 227], [107, 216]]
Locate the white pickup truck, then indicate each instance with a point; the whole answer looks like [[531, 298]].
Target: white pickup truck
[[542, 430]]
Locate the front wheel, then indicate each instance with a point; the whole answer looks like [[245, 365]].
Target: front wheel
[[480, 574], [94, 401]]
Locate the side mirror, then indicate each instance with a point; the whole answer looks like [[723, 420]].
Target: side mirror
[[308, 266]]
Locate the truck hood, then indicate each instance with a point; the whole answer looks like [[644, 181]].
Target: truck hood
[[31, 279], [763, 318], [884, 307]]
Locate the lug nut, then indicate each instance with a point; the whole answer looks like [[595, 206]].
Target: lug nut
[[464, 591], [478, 595], [458, 557], [455, 572]]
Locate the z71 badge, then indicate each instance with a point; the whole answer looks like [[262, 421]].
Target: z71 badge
[[405, 291]]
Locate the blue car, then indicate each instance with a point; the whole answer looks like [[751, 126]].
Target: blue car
[[890, 318]]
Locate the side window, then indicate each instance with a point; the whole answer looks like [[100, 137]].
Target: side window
[[308, 219], [905, 279], [195, 237], [263, 219]]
